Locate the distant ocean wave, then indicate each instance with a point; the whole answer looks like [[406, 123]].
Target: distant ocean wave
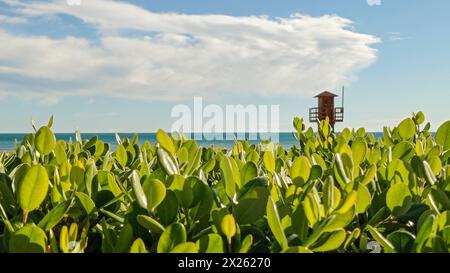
[[286, 139]]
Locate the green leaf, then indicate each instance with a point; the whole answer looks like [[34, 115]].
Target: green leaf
[[333, 242], [340, 220], [60, 152], [210, 243], [363, 200], [187, 247], [251, 206], [228, 226], [316, 172], [167, 162], [183, 190], [402, 241], [175, 234], [300, 222], [359, 151], [50, 122], [45, 140], [403, 150], [165, 141], [227, 172], [352, 237], [328, 195], [399, 199], [77, 176], [155, 192], [318, 231], [349, 202], [193, 166], [443, 135], [274, 222], [125, 239], [419, 118], [388, 247], [369, 175], [6, 195], [312, 209], [54, 216], [424, 232], [407, 129], [138, 190], [269, 161], [339, 171], [248, 172], [138, 246], [297, 249], [86, 202], [150, 224], [246, 244], [121, 155], [112, 184], [300, 170], [168, 209], [33, 188], [29, 239]]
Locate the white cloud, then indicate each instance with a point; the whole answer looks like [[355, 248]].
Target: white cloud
[[12, 19], [396, 36], [201, 55], [374, 2], [95, 115]]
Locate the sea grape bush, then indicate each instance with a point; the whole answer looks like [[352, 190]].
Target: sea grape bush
[[333, 192]]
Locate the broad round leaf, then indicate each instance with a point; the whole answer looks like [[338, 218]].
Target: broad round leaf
[[248, 172], [33, 188], [399, 199], [45, 140], [407, 129], [155, 191], [165, 141], [29, 239], [175, 234], [443, 135], [300, 170], [359, 151]]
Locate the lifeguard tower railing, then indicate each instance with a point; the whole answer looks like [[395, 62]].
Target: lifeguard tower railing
[[313, 114], [338, 114]]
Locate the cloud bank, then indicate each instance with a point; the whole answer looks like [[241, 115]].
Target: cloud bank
[[170, 56]]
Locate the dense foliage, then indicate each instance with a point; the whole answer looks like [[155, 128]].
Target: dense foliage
[[331, 192]]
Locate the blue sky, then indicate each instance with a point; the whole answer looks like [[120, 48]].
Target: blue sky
[[108, 66]]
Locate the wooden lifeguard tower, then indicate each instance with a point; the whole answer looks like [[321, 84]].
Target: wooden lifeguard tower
[[325, 108]]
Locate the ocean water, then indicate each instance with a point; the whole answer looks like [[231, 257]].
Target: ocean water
[[286, 139]]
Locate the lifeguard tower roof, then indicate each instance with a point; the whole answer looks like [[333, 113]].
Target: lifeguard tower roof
[[326, 94]]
